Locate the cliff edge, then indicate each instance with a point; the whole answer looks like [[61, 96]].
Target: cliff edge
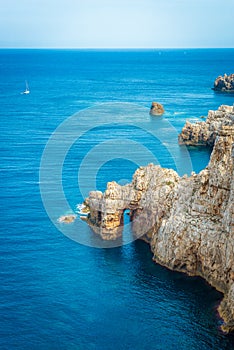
[[188, 221]]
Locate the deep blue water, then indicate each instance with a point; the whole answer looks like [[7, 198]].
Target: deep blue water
[[56, 293]]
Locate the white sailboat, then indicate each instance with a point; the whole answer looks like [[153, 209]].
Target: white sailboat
[[26, 91]]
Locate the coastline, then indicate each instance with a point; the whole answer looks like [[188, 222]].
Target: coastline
[[187, 221]]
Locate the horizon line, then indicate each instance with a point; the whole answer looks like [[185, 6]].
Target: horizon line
[[113, 48]]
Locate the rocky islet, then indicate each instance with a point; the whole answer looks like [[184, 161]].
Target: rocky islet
[[224, 83]]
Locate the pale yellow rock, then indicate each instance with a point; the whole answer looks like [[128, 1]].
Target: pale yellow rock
[[204, 133]]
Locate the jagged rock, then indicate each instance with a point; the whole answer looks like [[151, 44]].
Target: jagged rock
[[204, 133], [224, 83], [188, 221], [156, 109]]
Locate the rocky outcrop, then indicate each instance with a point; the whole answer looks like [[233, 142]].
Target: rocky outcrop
[[224, 83], [156, 109], [107, 209], [188, 221], [204, 133]]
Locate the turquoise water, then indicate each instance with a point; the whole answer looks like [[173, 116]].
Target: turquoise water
[[56, 293]]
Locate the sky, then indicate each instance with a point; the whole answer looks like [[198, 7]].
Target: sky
[[116, 23]]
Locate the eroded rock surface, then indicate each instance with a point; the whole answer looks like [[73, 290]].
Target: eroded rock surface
[[147, 197], [224, 83], [204, 133], [188, 221]]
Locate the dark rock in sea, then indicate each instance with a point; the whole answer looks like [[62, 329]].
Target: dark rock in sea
[[224, 83], [156, 109]]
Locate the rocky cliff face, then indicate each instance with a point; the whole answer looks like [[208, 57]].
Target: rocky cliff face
[[224, 83], [188, 221], [204, 133]]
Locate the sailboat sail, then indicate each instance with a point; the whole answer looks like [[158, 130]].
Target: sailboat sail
[[26, 91]]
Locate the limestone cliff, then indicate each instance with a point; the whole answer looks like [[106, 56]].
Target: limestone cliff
[[204, 133], [188, 221]]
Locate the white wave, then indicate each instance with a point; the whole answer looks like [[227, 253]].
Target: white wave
[[179, 113], [80, 208]]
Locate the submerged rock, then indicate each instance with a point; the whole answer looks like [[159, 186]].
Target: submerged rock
[[156, 109], [224, 83], [188, 221], [67, 219]]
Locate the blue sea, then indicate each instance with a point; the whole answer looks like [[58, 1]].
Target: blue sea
[[55, 292]]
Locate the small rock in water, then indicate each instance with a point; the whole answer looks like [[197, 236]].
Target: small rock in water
[[156, 109], [67, 219]]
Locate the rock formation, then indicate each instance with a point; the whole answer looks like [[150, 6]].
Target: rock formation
[[156, 109], [204, 133], [224, 83], [188, 221]]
